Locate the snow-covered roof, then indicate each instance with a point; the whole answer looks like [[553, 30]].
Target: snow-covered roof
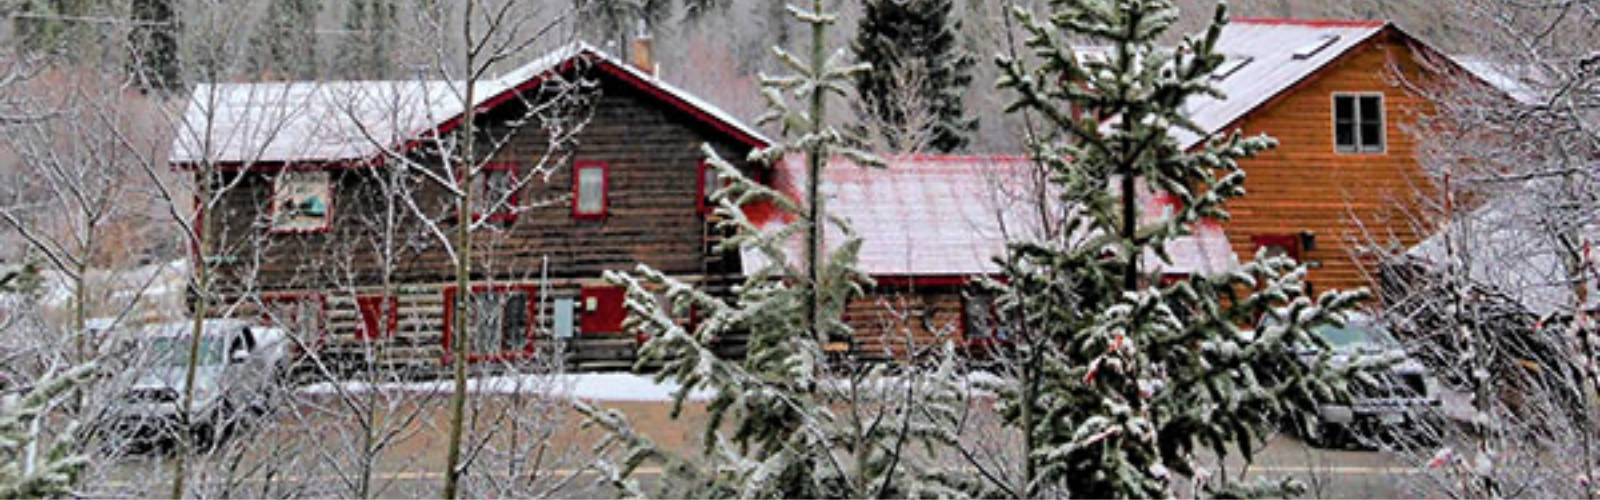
[[1265, 58], [1519, 81], [1507, 249], [951, 216], [321, 122]]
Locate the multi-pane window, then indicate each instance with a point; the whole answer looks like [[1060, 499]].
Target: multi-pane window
[[495, 188], [1358, 123], [589, 190], [500, 320]]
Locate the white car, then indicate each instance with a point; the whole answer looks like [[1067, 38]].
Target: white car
[[239, 367]]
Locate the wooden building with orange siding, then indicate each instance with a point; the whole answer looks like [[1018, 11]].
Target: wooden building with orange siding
[[1339, 97]]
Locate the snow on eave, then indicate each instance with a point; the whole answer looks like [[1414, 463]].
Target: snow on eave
[[1517, 82], [1274, 70], [1506, 251], [274, 121], [695, 102]]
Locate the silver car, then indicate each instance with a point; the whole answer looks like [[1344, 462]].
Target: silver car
[[1396, 399], [238, 368]]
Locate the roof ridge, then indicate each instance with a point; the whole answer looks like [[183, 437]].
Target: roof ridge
[[1313, 22], [936, 157]]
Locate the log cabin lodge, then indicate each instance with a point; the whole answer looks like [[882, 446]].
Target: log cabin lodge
[[296, 238]]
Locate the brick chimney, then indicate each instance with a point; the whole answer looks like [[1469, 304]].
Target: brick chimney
[[641, 54]]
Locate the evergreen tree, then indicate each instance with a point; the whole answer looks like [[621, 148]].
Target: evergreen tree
[[367, 51], [153, 41], [24, 280], [921, 69], [285, 42], [53, 26], [53, 473], [1126, 377], [798, 430], [618, 21]]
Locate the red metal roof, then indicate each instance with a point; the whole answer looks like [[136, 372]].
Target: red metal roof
[[929, 215]]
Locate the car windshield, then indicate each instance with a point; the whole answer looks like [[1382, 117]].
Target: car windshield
[[1355, 334], [174, 351]]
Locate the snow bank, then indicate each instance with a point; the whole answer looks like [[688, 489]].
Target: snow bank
[[615, 387], [621, 387]]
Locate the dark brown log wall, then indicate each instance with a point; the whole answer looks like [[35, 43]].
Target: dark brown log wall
[[653, 151]]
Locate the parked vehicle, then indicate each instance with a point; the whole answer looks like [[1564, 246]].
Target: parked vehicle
[[1394, 401], [238, 368]]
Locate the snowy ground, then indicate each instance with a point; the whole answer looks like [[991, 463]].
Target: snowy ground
[[582, 386], [617, 387]]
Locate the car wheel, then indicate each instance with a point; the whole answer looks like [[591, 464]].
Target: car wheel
[[1326, 435]]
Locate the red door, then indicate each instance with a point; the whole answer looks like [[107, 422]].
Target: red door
[[603, 310]]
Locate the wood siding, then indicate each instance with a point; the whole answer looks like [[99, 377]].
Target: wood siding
[[902, 323], [1303, 185], [653, 151]]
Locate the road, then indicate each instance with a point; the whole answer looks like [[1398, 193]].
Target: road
[[302, 453]]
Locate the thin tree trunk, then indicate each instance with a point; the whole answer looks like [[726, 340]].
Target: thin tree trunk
[[201, 292], [1030, 393], [1130, 227], [458, 340]]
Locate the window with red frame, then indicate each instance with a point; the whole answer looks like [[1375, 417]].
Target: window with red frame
[[300, 315], [302, 202], [501, 318], [707, 184], [379, 318], [495, 188], [590, 189]]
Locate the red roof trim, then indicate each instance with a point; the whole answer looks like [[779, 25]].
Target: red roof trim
[[1297, 85], [492, 102], [611, 69], [600, 62], [968, 158], [931, 280], [1389, 30], [681, 104], [1318, 23]]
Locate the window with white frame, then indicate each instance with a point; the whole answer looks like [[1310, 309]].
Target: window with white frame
[[1358, 123]]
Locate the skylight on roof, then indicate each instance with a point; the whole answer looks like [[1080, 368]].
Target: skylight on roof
[[1230, 66], [1310, 50]]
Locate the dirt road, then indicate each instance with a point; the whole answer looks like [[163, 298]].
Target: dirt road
[[304, 451]]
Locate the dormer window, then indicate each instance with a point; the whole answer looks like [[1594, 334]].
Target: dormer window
[[1358, 123]]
